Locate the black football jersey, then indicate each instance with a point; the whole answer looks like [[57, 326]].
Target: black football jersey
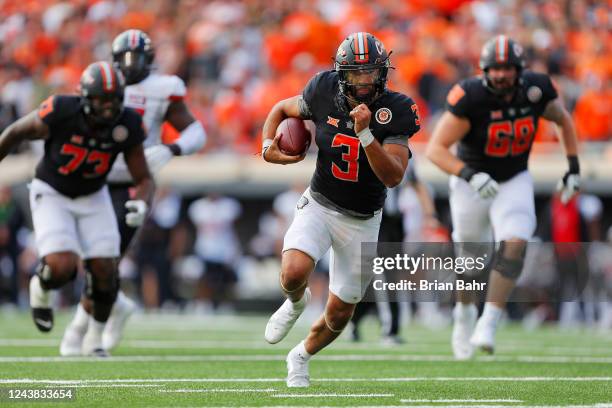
[[501, 133], [77, 157], [343, 175]]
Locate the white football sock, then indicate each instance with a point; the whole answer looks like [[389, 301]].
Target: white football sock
[[121, 300], [300, 351], [463, 310], [491, 314], [81, 319], [96, 328], [300, 304]]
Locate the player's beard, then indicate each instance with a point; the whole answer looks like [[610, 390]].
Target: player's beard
[[503, 86], [362, 93]]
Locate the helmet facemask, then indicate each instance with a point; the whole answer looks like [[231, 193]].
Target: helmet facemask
[[134, 65], [133, 54], [362, 84], [103, 110]]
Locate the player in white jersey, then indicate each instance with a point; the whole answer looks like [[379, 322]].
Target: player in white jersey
[[158, 98]]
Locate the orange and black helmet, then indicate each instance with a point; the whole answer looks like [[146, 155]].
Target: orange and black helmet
[[102, 82], [362, 51], [501, 51]]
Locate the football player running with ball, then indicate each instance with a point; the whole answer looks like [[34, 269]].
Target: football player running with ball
[[157, 98], [493, 118], [71, 206], [362, 131]]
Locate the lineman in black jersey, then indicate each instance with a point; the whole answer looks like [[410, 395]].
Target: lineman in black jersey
[[493, 118], [157, 98], [72, 212], [362, 132]]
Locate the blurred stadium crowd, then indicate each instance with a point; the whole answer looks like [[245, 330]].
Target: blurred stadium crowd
[[238, 58]]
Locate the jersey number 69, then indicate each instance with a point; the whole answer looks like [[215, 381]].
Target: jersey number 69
[[510, 138]]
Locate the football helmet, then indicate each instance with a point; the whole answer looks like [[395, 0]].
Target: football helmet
[[358, 55], [497, 52], [102, 87], [133, 54]]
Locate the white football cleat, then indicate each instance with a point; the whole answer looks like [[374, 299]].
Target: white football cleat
[[464, 319], [92, 344], [285, 317], [484, 337], [40, 303], [123, 308], [72, 342], [297, 369]]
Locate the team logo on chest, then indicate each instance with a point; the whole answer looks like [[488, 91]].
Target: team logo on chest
[[332, 121], [383, 116], [534, 94], [120, 133]]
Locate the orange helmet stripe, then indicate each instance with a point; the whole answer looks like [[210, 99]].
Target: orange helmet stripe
[[361, 47], [501, 49], [108, 76]]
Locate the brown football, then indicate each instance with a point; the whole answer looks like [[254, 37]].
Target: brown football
[[294, 137]]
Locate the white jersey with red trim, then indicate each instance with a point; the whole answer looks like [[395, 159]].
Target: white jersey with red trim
[[150, 98]]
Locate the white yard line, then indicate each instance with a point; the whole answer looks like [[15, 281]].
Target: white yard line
[[220, 390], [459, 400], [258, 344], [109, 385], [450, 379], [602, 405], [280, 357], [263, 380], [333, 395]]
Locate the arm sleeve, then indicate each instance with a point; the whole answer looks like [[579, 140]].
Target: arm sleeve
[[192, 138], [397, 139]]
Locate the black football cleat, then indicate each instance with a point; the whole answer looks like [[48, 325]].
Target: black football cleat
[[43, 318], [99, 352]]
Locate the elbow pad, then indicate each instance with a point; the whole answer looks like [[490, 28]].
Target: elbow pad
[[157, 157]]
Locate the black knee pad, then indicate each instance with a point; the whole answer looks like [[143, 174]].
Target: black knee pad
[[509, 268], [49, 279], [102, 289]]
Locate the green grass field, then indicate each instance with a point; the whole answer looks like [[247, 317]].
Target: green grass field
[[172, 360]]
